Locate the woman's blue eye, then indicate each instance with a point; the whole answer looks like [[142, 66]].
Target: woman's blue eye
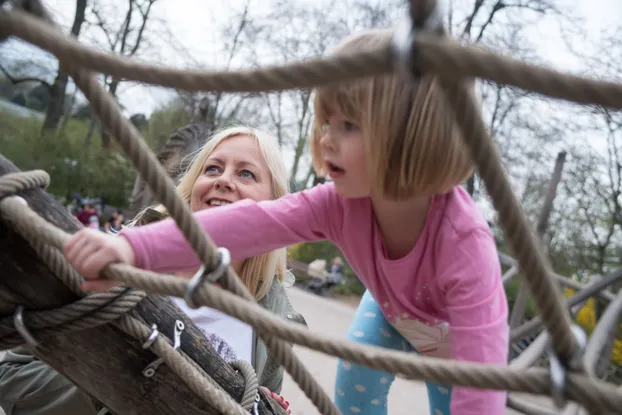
[[211, 169], [247, 174]]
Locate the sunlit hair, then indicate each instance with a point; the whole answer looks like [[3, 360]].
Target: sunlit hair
[[412, 142], [257, 272]]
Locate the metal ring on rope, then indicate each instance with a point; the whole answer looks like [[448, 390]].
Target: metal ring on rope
[[559, 369], [200, 276]]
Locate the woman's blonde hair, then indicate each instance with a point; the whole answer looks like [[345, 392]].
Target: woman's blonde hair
[[412, 142], [257, 272]]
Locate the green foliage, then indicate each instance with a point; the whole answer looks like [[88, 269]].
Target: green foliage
[[72, 166]]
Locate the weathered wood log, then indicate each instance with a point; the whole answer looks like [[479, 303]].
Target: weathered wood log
[[103, 361]]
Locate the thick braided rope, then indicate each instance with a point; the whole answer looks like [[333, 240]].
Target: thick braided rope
[[87, 312], [589, 392], [251, 381], [113, 304], [444, 57]]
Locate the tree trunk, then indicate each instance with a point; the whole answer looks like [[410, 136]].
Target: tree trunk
[[547, 208], [103, 361], [471, 185], [56, 106], [300, 146], [105, 135]]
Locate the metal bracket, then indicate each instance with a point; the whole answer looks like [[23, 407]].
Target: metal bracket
[[200, 276], [152, 337], [256, 404], [150, 370], [559, 371], [18, 320]]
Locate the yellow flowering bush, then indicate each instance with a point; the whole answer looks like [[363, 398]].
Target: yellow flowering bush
[[586, 318]]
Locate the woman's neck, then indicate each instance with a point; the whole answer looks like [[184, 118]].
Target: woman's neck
[[400, 223], [235, 265]]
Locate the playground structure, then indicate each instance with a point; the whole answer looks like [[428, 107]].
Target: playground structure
[[419, 45]]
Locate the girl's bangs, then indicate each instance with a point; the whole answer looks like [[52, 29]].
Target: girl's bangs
[[346, 98]]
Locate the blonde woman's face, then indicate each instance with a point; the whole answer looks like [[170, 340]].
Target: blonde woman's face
[[343, 154], [235, 170]]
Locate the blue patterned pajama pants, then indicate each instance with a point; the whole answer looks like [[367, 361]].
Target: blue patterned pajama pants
[[362, 390]]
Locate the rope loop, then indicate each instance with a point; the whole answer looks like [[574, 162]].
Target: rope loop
[[213, 276], [251, 384]]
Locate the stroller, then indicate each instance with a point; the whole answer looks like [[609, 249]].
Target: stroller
[[323, 281]]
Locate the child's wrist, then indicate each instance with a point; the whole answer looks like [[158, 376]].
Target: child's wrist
[[126, 250]]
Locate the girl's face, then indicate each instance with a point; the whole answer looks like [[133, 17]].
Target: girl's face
[[235, 170], [343, 153]]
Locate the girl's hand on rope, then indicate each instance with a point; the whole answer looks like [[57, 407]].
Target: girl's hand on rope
[[278, 398], [89, 251]]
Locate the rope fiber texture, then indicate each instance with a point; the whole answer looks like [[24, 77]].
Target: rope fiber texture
[[432, 52]]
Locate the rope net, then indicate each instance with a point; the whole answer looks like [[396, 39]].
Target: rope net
[[419, 45]]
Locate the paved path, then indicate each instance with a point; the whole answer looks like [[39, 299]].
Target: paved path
[[333, 318]]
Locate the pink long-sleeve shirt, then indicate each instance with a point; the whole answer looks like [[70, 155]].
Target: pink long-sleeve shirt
[[446, 296]]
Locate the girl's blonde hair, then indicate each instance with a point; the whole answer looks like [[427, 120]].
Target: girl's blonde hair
[[257, 272], [412, 142]]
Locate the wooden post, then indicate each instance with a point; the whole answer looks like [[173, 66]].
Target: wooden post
[[520, 302], [103, 361]]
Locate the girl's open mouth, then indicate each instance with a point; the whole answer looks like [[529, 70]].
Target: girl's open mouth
[[334, 170]]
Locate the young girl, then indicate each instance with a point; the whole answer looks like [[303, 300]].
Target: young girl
[[394, 208]]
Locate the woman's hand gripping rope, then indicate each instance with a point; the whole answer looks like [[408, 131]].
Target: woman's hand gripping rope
[[278, 398]]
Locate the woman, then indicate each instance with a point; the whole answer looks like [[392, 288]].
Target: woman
[[235, 164]]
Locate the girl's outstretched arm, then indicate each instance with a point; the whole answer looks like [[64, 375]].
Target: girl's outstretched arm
[[247, 228]]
